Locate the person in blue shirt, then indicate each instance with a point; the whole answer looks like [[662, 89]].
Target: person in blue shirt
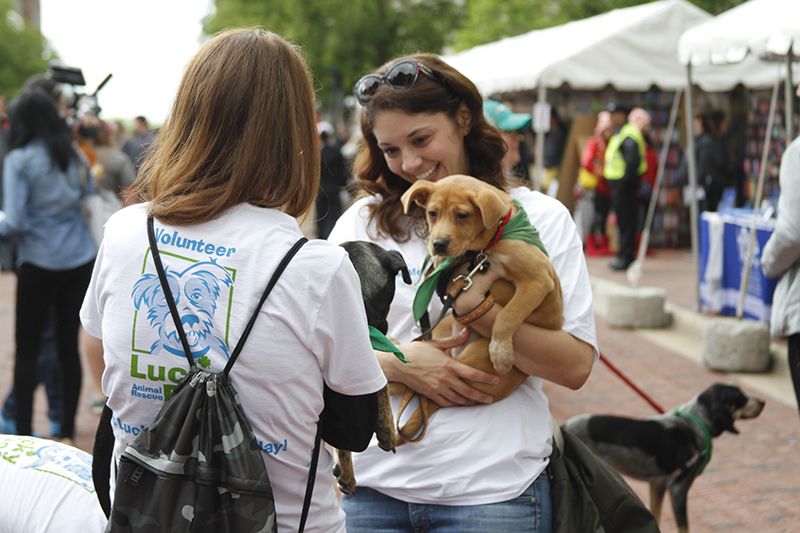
[[42, 199]]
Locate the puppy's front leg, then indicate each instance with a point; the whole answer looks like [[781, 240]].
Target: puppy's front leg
[[527, 297], [343, 472], [385, 429]]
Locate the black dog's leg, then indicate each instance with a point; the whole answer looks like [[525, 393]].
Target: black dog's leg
[[657, 491], [678, 492]]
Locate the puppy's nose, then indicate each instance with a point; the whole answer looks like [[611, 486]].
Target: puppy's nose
[[440, 246]]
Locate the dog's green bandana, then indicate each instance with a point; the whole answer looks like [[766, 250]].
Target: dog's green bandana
[[382, 343], [518, 228], [705, 457]]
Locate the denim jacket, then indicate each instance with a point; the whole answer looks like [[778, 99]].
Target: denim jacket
[[42, 205]]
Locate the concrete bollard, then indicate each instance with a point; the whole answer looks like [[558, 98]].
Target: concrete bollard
[[734, 345], [641, 307]]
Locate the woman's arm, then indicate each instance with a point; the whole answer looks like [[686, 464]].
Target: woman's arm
[[15, 195], [92, 350], [783, 247], [554, 355]]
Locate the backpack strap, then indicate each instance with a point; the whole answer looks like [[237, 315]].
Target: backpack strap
[[312, 477], [162, 277], [278, 271]]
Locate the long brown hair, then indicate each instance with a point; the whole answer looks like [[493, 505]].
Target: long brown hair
[[484, 145], [242, 129]]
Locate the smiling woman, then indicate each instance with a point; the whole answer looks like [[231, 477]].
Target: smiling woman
[[450, 118], [426, 123], [421, 149]]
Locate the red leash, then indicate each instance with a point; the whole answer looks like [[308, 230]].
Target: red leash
[[631, 384]]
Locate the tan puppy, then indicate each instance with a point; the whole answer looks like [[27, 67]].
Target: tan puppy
[[464, 214]]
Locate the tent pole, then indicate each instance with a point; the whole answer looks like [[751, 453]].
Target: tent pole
[[690, 159], [634, 272], [789, 99], [744, 282], [538, 179]]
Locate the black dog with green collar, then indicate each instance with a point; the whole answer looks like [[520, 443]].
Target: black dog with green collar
[[670, 450]]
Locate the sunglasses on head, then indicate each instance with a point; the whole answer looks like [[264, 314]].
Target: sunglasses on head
[[401, 76]]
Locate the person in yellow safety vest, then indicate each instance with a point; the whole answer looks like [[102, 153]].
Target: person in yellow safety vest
[[624, 165]]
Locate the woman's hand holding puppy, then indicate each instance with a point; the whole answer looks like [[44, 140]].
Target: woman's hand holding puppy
[[433, 373]]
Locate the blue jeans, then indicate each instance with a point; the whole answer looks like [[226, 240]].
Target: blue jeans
[[370, 511]]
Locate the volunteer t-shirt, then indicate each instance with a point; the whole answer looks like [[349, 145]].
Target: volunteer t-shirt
[[46, 487], [311, 328], [483, 453]]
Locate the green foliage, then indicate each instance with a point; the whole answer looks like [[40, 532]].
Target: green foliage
[[343, 39], [715, 7], [23, 50]]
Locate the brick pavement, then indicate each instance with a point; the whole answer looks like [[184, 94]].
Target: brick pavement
[[753, 481]]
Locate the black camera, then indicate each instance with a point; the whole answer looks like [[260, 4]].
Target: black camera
[[82, 104]]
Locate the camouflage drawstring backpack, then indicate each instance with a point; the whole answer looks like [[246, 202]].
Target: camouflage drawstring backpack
[[198, 468]]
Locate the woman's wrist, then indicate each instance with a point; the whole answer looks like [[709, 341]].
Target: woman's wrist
[[390, 365]]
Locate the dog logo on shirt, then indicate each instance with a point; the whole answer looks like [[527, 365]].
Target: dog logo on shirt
[[195, 291]]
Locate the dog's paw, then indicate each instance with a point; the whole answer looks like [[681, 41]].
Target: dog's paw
[[387, 437], [345, 480], [347, 486], [501, 354]]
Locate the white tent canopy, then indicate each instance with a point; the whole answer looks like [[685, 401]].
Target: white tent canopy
[[630, 49], [762, 28]]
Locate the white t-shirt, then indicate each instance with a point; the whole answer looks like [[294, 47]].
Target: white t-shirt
[[46, 487], [312, 327], [484, 453]]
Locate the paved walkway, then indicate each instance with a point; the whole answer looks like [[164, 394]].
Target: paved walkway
[[752, 483]]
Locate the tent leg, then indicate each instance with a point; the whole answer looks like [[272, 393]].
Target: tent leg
[[744, 283], [635, 270], [690, 159], [789, 99], [538, 179]]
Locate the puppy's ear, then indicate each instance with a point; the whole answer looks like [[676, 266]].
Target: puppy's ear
[[398, 264], [419, 192], [491, 206]]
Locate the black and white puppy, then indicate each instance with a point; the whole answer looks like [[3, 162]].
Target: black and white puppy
[[377, 271], [670, 450]]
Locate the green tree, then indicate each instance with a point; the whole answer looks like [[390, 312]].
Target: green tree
[[23, 48], [343, 39]]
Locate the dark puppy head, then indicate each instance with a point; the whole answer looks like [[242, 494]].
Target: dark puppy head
[[377, 270], [724, 404]]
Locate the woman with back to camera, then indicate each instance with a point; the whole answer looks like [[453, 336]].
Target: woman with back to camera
[[480, 466], [233, 166], [42, 193]]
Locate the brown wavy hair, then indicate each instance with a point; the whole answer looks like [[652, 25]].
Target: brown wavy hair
[[483, 144], [242, 129]]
